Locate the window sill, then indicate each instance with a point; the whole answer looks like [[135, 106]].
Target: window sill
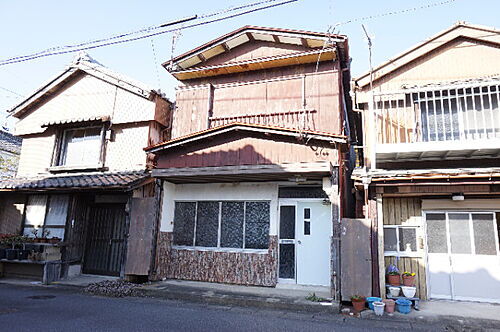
[[75, 168], [228, 250], [403, 254]]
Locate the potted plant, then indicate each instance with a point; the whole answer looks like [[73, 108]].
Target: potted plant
[[408, 278], [4, 244], [393, 275], [45, 235], [36, 239], [23, 253], [54, 240], [13, 252], [358, 302]]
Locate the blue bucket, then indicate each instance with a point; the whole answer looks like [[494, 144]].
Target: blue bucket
[[404, 306], [372, 299]]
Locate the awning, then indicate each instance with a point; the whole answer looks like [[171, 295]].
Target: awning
[[89, 181]]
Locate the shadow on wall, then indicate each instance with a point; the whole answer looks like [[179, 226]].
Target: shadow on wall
[[11, 212]]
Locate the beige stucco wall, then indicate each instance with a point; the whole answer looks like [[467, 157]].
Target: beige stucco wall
[[36, 154], [88, 97], [11, 212], [126, 151]]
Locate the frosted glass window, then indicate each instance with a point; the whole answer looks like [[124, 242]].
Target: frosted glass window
[[207, 224], [459, 233], [257, 225], [81, 147], [390, 239], [436, 233], [484, 234], [407, 239], [58, 210], [35, 211], [184, 219], [232, 220]]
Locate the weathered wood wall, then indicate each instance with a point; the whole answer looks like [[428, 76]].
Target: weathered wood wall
[[270, 91], [398, 211], [257, 269], [240, 150]]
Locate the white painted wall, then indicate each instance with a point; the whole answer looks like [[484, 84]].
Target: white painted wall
[[218, 191]]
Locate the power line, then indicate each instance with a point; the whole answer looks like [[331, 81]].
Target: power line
[[397, 12], [107, 41]]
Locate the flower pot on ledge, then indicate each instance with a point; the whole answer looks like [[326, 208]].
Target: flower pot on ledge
[[408, 280], [393, 279]]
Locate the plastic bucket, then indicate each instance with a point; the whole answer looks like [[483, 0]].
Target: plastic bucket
[[378, 307], [404, 306], [394, 291], [372, 299]]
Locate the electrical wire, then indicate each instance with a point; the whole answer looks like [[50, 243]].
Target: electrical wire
[[109, 40]]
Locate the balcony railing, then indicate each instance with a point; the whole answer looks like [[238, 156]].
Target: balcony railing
[[452, 113], [303, 119]]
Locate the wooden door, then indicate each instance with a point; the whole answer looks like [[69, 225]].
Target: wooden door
[[356, 269], [106, 234]]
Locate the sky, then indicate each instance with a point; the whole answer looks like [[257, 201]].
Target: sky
[[29, 26]]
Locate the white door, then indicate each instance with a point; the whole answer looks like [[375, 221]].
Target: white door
[[463, 256], [305, 236]]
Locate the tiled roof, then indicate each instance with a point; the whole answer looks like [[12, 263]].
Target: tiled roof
[[10, 143], [101, 180]]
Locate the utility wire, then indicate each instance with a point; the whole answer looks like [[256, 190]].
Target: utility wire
[[108, 40]]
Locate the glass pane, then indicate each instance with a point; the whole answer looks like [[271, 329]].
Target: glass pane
[[35, 210], [184, 217], [307, 227], [232, 219], [484, 234], [207, 224], [92, 146], [55, 232], [58, 208], [459, 233], [257, 225], [407, 239], [287, 222], [287, 261], [82, 147], [390, 239], [436, 233], [307, 213]]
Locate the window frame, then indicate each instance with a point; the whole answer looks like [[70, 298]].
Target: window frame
[[60, 147], [44, 225], [218, 248], [404, 253]]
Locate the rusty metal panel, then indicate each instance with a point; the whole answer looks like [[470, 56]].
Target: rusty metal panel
[[141, 233], [356, 269]]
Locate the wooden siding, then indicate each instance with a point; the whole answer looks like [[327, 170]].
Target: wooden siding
[[277, 90], [257, 269], [239, 150], [399, 211]]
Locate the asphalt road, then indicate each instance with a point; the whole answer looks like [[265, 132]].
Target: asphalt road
[[55, 309]]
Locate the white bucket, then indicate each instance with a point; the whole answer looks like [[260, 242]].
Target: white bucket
[[378, 307], [394, 291], [409, 291]]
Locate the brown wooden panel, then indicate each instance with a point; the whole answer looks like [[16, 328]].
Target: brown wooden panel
[[141, 233], [356, 267]]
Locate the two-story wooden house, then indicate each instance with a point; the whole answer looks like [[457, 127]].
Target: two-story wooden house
[[253, 177], [432, 157], [82, 173]]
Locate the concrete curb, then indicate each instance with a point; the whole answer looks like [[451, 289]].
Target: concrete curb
[[449, 320], [218, 297]]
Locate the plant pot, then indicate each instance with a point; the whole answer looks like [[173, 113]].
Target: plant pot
[[2, 253], [43, 240], [372, 299], [378, 307], [389, 305], [11, 254], [393, 279], [408, 280], [359, 305], [23, 254], [408, 291], [394, 291], [37, 240], [54, 240]]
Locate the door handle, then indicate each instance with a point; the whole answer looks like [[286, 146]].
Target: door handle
[[299, 242]]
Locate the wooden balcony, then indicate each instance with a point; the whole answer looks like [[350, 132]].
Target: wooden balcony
[[299, 119], [449, 122]]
